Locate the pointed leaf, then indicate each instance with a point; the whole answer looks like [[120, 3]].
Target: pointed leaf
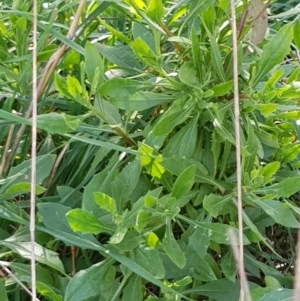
[[184, 182]]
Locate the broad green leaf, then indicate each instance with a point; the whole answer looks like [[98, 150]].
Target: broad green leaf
[[151, 161], [198, 266], [279, 212], [219, 290], [105, 202], [125, 183], [214, 203], [270, 58], [55, 123], [42, 255], [285, 188], [140, 101], [279, 295], [152, 240], [187, 74], [85, 222], [171, 119], [214, 231], [130, 241], [267, 109], [133, 290], [199, 242], [100, 182], [54, 217], [184, 182], [138, 30], [270, 169], [47, 292], [156, 10], [119, 88], [172, 248], [11, 213], [118, 236], [61, 85], [92, 281], [228, 266], [297, 33], [149, 259], [120, 55], [223, 88], [183, 143], [144, 53], [20, 188], [74, 87], [142, 219]]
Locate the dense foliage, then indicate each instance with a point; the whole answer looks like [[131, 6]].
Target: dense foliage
[[136, 172]]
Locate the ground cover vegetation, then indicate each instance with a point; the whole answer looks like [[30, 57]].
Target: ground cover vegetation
[[136, 171]]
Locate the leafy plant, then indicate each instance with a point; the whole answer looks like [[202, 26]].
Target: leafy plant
[[136, 173]]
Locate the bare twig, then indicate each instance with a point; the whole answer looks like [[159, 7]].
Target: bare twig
[[33, 151], [236, 254], [48, 70], [8, 272], [243, 293]]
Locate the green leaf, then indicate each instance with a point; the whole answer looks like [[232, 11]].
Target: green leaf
[[144, 53], [85, 222], [119, 88], [42, 255], [218, 290], [120, 55], [279, 212], [105, 202], [133, 290], [280, 295], [22, 172], [142, 219], [156, 10], [223, 88], [20, 188], [141, 101], [214, 203], [149, 259], [3, 295], [183, 143], [216, 232], [151, 161], [55, 123], [270, 169], [188, 75], [216, 56], [270, 58], [297, 33], [74, 87], [138, 30], [48, 292], [199, 242], [228, 266], [184, 182], [124, 185], [173, 117], [285, 188], [92, 281], [172, 248]]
